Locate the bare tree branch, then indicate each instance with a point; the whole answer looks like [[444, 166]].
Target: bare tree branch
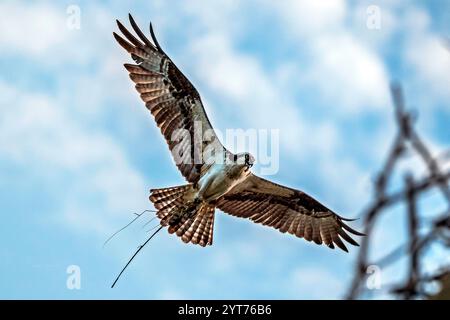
[[417, 244]]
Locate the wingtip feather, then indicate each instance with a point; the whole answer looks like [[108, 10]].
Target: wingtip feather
[[152, 33], [138, 31], [124, 44], [351, 230]]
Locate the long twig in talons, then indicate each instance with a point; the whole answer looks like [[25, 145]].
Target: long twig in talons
[[127, 225], [135, 254]]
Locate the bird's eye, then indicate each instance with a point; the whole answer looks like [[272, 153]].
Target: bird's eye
[[246, 157], [235, 158]]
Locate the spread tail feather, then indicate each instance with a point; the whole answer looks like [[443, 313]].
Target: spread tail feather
[[189, 218]]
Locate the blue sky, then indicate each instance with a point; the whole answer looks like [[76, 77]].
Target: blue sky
[[79, 152]]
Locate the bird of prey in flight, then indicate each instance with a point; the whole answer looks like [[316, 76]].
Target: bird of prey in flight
[[226, 182]]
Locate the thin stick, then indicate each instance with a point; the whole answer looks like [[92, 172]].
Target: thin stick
[[134, 255], [148, 222], [153, 228], [121, 229]]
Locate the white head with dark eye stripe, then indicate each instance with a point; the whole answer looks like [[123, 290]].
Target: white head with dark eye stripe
[[244, 159]]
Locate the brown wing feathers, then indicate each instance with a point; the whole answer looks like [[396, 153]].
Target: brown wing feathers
[[167, 93], [287, 210], [320, 227]]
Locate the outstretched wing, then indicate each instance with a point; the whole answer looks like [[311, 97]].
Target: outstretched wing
[[287, 210], [172, 100]]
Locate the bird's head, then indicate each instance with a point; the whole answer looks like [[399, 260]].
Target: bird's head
[[244, 159]]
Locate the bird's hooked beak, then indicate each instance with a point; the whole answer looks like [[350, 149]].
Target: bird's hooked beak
[[248, 165]]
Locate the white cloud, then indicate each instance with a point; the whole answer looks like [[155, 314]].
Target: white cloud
[[38, 133], [307, 18], [31, 29], [350, 77], [424, 58], [430, 59], [39, 32]]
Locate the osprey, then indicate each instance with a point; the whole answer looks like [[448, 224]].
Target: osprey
[[229, 185]]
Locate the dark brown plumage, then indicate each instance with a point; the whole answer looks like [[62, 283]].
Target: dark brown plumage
[[287, 210], [170, 97]]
